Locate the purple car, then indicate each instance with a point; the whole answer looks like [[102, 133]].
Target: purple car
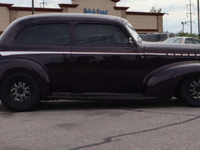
[[90, 57]]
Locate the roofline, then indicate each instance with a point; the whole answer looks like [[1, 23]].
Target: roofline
[[74, 16], [69, 5], [144, 13], [76, 5], [35, 9], [4, 4], [115, 1], [121, 8], [147, 30]]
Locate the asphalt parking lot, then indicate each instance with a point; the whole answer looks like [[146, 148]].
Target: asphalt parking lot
[[121, 125]]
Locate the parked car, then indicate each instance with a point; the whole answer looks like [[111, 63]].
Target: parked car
[[182, 40], [156, 37], [89, 57]]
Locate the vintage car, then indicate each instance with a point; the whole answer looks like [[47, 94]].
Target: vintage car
[[156, 37], [182, 40], [89, 57]]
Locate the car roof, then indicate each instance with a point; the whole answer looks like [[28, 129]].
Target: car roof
[[55, 17], [15, 26]]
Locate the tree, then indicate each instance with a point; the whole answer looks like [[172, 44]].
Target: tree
[[153, 10], [187, 34]]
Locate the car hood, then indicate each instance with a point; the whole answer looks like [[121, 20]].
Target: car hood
[[171, 48]]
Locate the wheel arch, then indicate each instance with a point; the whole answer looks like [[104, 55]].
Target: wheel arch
[[165, 82], [34, 69], [190, 90]]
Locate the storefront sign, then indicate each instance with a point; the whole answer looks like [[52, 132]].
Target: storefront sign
[[93, 11]]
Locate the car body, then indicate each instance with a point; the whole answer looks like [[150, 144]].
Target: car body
[[182, 40], [89, 57], [156, 37]]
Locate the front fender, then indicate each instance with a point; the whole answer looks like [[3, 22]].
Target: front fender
[[35, 69], [164, 82]]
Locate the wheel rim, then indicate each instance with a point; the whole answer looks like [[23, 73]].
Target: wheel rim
[[20, 91], [194, 88]]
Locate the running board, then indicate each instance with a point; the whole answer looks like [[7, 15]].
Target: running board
[[97, 96]]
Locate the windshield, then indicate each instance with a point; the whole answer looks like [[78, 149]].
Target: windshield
[[133, 33]]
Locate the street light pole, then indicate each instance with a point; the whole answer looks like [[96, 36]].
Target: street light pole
[[190, 17], [183, 23], [198, 17], [32, 7]]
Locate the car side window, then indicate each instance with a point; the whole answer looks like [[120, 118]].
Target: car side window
[[177, 40], [189, 41], [196, 41], [47, 34], [99, 34]]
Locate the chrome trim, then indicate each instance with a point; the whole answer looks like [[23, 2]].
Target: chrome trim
[[30, 52], [11, 53]]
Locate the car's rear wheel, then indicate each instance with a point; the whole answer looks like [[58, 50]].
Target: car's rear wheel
[[20, 92], [190, 91]]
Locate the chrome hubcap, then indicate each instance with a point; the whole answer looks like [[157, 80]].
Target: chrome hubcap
[[20, 91], [194, 88]]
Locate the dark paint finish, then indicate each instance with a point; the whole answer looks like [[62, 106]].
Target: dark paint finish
[[89, 72], [103, 71]]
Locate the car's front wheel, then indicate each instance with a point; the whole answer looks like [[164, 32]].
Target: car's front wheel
[[190, 91], [20, 92]]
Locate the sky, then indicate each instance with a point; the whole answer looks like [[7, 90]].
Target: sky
[[177, 11]]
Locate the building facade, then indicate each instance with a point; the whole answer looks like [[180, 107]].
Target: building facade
[[143, 22]]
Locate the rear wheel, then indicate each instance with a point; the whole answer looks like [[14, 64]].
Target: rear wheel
[[20, 92], [190, 91]]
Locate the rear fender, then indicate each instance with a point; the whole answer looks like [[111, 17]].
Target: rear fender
[[35, 69], [164, 82]]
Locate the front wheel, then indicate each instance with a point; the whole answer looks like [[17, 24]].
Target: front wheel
[[20, 92], [190, 91]]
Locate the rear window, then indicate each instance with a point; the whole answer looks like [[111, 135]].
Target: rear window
[[47, 34]]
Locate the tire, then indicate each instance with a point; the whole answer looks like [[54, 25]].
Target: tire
[[20, 92], [190, 91]]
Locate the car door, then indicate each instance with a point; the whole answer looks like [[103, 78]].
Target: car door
[[49, 45], [103, 60]]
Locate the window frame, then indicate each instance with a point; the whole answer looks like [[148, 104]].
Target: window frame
[[100, 45], [44, 45]]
